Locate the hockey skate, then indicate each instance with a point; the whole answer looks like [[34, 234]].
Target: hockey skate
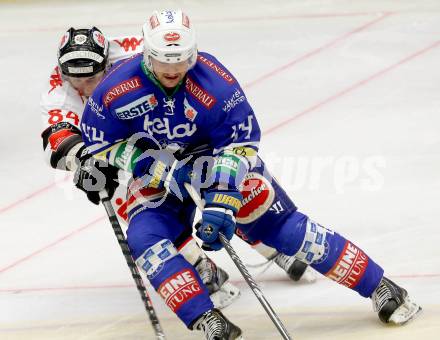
[[221, 292], [392, 303], [296, 269], [215, 326]]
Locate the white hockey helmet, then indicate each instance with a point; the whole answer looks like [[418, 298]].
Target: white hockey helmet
[[169, 38]]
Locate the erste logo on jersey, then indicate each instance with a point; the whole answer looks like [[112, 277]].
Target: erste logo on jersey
[[350, 266], [137, 108], [222, 73], [179, 289], [129, 43], [258, 195], [201, 95], [125, 87]]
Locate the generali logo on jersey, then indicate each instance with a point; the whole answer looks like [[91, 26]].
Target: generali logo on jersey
[[200, 94], [222, 73], [350, 266], [179, 288], [121, 89]]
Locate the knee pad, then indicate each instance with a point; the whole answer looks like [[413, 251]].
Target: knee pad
[[314, 245], [152, 260], [191, 251]]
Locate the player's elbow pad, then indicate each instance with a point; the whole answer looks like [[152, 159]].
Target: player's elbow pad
[[61, 144]]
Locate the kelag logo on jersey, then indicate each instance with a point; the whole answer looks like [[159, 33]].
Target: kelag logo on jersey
[[221, 72], [162, 126], [137, 108]]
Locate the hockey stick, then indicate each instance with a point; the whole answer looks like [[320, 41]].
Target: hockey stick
[[160, 335], [243, 270]]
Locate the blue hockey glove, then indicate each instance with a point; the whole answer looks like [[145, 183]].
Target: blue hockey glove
[[218, 216]]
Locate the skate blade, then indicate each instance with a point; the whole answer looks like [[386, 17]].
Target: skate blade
[[309, 276], [405, 313], [224, 297]]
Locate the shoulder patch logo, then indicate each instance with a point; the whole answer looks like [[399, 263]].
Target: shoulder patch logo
[[199, 93], [125, 87], [217, 69]]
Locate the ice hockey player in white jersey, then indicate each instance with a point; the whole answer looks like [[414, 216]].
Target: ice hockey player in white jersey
[[84, 56]]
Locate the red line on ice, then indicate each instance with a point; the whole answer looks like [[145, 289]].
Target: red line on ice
[[33, 194], [316, 50], [50, 245], [241, 281], [351, 88]]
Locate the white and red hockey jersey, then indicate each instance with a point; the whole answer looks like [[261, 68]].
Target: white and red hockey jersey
[[62, 106], [61, 109]]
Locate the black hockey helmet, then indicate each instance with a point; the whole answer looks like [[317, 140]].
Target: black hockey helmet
[[82, 52]]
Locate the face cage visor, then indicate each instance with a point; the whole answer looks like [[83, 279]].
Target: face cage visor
[[171, 68]]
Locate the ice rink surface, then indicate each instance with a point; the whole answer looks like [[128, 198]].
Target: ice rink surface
[[347, 95]]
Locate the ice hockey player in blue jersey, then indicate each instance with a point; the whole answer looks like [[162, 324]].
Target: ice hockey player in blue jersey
[[173, 115]]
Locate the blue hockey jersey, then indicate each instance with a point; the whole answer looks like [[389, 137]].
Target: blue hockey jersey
[[207, 110]]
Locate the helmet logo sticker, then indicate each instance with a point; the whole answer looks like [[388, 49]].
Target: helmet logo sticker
[[171, 36], [64, 40], [80, 39], [169, 15], [99, 38], [185, 20], [154, 22]]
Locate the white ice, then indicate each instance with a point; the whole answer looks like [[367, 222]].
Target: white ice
[[347, 94]]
